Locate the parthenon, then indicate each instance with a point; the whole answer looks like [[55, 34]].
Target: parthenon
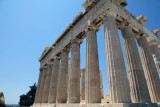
[[59, 79]]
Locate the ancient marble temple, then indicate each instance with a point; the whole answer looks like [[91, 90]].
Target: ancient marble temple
[[59, 78]]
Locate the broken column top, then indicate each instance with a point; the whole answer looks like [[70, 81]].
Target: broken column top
[[142, 19]]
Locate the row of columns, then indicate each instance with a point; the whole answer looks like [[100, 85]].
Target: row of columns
[[143, 85], [150, 70], [139, 89], [139, 79]]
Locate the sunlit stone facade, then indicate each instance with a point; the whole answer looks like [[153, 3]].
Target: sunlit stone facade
[[59, 80]]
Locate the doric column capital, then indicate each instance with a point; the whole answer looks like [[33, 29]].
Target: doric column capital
[[67, 50], [57, 57], [123, 25], [109, 13], [140, 35], [78, 41], [50, 62], [43, 68], [92, 27]]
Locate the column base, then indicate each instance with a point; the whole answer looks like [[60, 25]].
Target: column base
[[98, 105], [131, 105], [44, 105]]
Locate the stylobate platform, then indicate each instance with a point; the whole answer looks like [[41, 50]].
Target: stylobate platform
[[98, 105]]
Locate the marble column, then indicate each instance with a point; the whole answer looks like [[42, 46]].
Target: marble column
[[38, 87], [138, 84], [74, 76], [42, 85], [119, 91], [93, 93], [69, 71], [83, 71], [156, 56], [101, 84], [47, 84], [150, 70], [54, 81], [63, 79]]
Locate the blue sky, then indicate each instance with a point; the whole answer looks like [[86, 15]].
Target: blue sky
[[28, 26]]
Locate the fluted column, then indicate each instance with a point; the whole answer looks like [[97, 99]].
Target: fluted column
[[138, 84], [101, 84], [54, 81], [83, 71], [150, 70], [38, 87], [118, 84], [93, 93], [74, 76], [42, 85], [47, 84], [69, 71], [63, 79], [156, 56]]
